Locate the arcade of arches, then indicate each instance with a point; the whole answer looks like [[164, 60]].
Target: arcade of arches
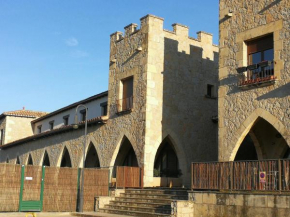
[[263, 142]]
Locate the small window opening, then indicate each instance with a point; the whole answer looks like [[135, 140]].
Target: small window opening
[[51, 123], [104, 107], [39, 128], [83, 114], [210, 91], [65, 120]]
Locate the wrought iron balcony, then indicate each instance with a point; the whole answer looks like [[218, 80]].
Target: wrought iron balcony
[[125, 104], [257, 75]]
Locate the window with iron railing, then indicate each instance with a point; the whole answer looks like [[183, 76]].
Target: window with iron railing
[[260, 69], [126, 102]]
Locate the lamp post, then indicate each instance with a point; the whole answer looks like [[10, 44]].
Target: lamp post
[[76, 126]]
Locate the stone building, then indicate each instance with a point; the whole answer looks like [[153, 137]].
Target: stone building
[[254, 75], [162, 98], [15, 125]]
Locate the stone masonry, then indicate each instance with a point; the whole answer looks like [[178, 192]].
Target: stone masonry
[[239, 109], [170, 72]]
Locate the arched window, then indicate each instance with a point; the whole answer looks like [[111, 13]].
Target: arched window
[[46, 161], [92, 159], [126, 155], [65, 161], [29, 161], [166, 161]]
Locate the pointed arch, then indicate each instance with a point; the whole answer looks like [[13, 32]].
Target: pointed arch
[[166, 163], [17, 160], [65, 159], [45, 161], [129, 148], [248, 124], [29, 160], [92, 158]]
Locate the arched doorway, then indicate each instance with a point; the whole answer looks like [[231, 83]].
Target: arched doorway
[[262, 142], [29, 160], [166, 162], [45, 161], [126, 155], [65, 161], [17, 160], [7, 160], [92, 159]]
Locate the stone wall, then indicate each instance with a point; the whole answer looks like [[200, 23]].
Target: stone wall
[[239, 109], [178, 71], [238, 204], [170, 75]]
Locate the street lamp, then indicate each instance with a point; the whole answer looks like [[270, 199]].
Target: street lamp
[[76, 126]]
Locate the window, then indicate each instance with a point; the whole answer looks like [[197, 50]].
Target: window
[[126, 102], [39, 128], [104, 107], [2, 137], [260, 69], [210, 91], [260, 50], [51, 123], [83, 114], [65, 120]]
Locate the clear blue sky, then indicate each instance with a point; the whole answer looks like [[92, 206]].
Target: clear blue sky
[[54, 53]]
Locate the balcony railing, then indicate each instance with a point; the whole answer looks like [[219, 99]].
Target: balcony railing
[[125, 104], [261, 74]]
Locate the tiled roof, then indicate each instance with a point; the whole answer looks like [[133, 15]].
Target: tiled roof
[[98, 96], [25, 113], [96, 120]]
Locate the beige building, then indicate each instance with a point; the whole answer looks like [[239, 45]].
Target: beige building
[[254, 75], [15, 125], [162, 100]]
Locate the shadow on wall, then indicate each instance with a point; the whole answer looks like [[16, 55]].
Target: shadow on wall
[[280, 92], [186, 111]]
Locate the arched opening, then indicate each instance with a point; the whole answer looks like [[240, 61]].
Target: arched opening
[[92, 159], [29, 161], [17, 160], [7, 160], [287, 154], [166, 162], [65, 161], [46, 161], [126, 155], [263, 138]]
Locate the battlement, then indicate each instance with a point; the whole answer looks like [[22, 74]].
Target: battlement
[[149, 23]]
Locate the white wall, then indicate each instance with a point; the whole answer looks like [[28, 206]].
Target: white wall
[[94, 110]]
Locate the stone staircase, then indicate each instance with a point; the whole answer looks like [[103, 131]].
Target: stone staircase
[[145, 202]]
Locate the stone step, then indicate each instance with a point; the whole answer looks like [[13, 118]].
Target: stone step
[[140, 209], [157, 196], [144, 200], [133, 213], [141, 204], [157, 191]]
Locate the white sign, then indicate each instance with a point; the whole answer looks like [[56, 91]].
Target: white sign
[[28, 178]]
